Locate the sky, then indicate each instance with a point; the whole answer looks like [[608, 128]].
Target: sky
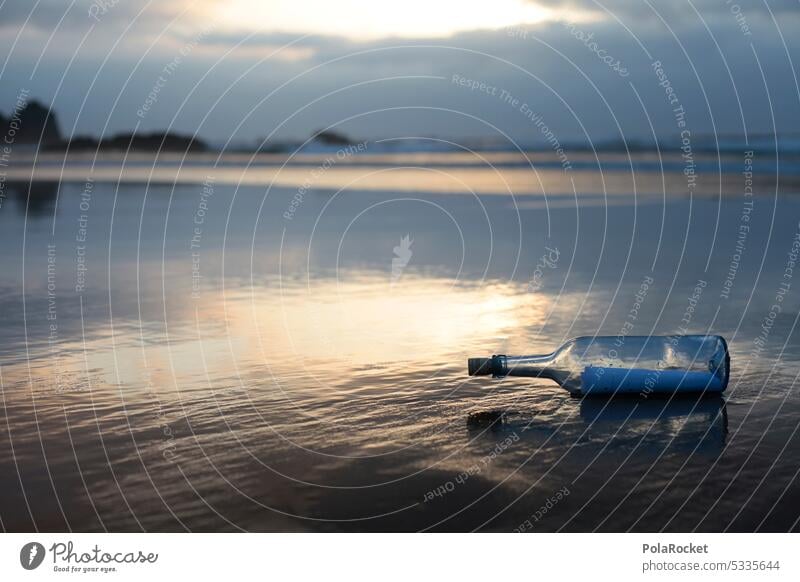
[[583, 71]]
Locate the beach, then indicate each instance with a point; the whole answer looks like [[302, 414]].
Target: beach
[[279, 343]]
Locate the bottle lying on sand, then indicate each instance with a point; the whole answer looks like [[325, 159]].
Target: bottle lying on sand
[[638, 365]]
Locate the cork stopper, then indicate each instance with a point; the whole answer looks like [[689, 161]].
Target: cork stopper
[[479, 366]]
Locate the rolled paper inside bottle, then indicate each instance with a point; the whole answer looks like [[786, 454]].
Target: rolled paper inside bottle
[[600, 380]]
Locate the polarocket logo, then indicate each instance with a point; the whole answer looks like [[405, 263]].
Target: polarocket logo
[[31, 555]]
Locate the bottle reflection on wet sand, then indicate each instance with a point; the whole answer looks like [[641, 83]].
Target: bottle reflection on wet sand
[[695, 424], [690, 424]]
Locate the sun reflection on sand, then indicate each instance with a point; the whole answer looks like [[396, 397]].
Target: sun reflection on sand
[[360, 319], [365, 319]]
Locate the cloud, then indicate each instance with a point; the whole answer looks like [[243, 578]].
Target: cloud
[[78, 16], [392, 86], [673, 11], [282, 45]]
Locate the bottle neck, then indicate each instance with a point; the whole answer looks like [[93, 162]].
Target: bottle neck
[[529, 366]]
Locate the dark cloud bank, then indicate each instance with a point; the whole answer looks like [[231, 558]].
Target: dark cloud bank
[[731, 68]]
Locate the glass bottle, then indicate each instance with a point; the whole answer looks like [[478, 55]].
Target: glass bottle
[[609, 365]]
